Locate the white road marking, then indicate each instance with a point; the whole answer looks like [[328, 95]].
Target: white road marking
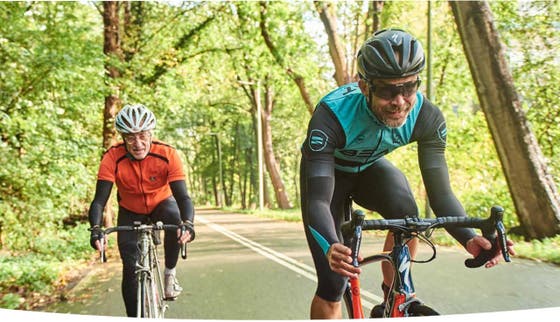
[[286, 261]]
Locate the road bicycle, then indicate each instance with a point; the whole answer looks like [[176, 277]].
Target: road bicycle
[[150, 285], [401, 300]]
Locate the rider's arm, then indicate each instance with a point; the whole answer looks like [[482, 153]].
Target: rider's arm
[[186, 208], [433, 165], [319, 181], [176, 178], [102, 193], [324, 135]]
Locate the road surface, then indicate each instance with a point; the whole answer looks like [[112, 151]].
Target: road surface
[[245, 268]]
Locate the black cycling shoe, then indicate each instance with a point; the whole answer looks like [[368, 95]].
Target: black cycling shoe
[[377, 311]]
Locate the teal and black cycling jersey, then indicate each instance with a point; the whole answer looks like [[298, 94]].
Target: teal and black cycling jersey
[[344, 126], [343, 157]]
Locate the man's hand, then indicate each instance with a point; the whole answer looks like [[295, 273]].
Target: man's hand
[[340, 260], [186, 233], [477, 244], [96, 238]]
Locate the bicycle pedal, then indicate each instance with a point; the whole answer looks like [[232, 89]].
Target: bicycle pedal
[[170, 299]]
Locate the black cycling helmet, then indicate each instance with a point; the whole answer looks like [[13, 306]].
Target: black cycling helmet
[[390, 53]]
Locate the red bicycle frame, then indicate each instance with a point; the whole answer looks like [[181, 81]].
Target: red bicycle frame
[[357, 308]]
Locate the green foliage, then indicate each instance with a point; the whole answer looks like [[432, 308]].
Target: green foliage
[[40, 269], [48, 149], [10, 301], [542, 250], [535, 68], [291, 215], [33, 273]]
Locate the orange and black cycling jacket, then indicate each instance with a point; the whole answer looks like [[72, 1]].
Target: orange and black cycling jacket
[[142, 184]]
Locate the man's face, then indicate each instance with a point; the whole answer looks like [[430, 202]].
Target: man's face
[[391, 99], [138, 144]]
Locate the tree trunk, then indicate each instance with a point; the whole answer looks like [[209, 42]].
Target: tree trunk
[[132, 28], [220, 187], [336, 50], [111, 49], [377, 9], [270, 160], [532, 188]]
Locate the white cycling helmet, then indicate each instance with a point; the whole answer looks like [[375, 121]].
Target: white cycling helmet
[[135, 118]]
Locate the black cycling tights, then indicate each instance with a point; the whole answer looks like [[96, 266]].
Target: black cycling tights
[[168, 213], [381, 187]]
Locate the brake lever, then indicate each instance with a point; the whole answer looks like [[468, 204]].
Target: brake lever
[[502, 240], [183, 246], [499, 243], [358, 220], [102, 255]]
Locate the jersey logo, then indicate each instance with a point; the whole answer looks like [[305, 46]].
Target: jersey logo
[[442, 132], [349, 90], [396, 138], [317, 140]]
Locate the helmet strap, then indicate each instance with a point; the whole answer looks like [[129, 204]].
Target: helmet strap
[[371, 90]]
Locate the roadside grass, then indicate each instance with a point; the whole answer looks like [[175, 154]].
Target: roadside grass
[[38, 276], [545, 250]]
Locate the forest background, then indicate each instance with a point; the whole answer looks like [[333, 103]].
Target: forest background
[[206, 68]]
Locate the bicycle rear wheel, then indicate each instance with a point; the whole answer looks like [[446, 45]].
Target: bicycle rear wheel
[[417, 309]]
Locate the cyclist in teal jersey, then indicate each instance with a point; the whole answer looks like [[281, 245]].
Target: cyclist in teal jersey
[[350, 132]]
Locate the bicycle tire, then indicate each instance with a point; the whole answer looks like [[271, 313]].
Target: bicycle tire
[[154, 305], [377, 311], [158, 286], [348, 302], [417, 309], [151, 307], [143, 300], [147, 306]]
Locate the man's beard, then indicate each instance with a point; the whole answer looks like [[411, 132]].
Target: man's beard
[[394, 123]]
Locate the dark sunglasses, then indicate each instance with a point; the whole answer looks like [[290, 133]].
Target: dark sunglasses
[[389, 92]]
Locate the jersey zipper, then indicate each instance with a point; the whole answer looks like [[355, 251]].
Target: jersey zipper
[[142, 187]]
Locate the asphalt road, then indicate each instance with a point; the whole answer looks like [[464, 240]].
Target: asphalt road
[[245, 268]]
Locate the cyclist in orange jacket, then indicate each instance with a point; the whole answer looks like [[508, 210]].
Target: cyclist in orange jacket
[[150, 187]]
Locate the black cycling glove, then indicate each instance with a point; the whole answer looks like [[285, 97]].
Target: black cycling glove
[[96, 234], [188, 225]]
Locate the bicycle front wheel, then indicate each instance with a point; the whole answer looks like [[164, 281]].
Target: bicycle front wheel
[[147, 299], [417, 309], [159, 290], [142, 298]]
